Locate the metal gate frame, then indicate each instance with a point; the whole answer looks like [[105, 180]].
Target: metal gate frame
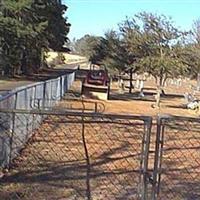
[[149, 180], [144, 171], [157, 158], [162, 123]]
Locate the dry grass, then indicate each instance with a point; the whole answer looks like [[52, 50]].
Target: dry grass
[[69, 58]]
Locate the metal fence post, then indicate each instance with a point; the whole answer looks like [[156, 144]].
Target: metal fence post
[[44, 97], [26, 99], [60, 87], [12, 131], [15, 103], [145, 158], [11, 139], [158, 158]]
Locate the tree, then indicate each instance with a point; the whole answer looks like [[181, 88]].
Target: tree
[[113, 52], [154, 41], [190, 53], [193, 52], [26, 31], [18, 28], [58, 28], [87, 46], [115, 56]]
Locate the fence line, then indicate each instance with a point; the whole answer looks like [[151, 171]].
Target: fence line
[[175, 160], [42, 95], [90, 152]]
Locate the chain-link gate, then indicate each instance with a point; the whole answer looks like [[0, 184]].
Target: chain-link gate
[[74, 155], [177, 159], [61, 154]]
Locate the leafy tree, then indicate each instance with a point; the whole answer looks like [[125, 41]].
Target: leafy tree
[[115, 56], [57, 28], [88, 47], [190, 53], [26, 31], [193, 53], [109, 51], [17, 30], [155, 42], [113, 52], [146, 43]]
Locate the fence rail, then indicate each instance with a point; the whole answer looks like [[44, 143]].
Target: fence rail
[[85, 155], [177, 158], [49, 92], [91, 155], [53, 89]]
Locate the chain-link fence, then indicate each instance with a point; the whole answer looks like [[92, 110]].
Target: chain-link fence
[[42, 95], [74, 155], [80, 153], [177, 161], [27, 97]]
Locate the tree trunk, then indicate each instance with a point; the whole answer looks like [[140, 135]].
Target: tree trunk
[[159, 91], [90, 65], [198, 81], [42, 59], [24, 64], [163, 85], [131, 81], [158, 97]]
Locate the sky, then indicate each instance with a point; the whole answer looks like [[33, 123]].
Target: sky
[[95, 17]]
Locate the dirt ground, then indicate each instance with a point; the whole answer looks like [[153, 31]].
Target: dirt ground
[[99, 159], [95, 161], [7, 84], [120, 101], [173, 103], [66, 159]]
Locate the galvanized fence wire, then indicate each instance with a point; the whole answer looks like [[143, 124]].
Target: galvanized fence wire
[[41, 95], [177, 161], [77, 156], [26, 97]]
